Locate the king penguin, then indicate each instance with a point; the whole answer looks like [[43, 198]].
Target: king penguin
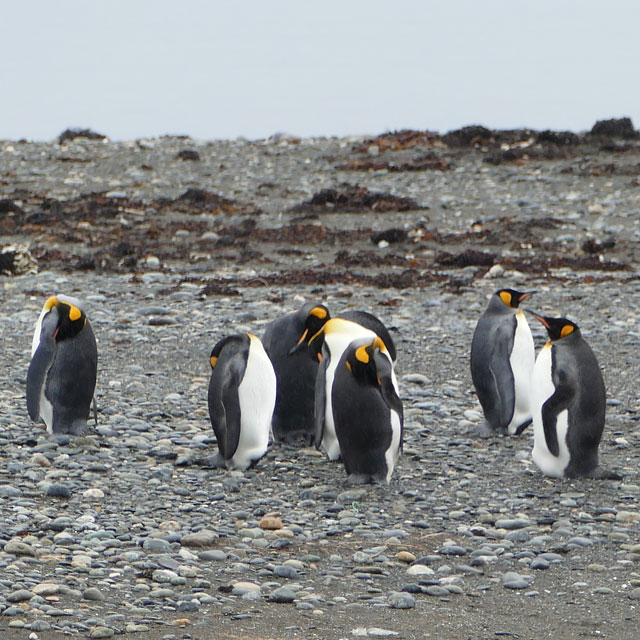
[[61, 379], [329, 345], [242, 395], [367, 412], [296, 370], [502, 359], [568, 403]]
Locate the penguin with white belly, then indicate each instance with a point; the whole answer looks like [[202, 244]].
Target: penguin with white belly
[[568, 401], [502, 359], [328, 345], [242, 395], [62, 374], [367, 412], [293, 421]]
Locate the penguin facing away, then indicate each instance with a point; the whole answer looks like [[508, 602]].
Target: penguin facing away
[[367, 412], [568, 403], [295, 371], [242, 395], [329, 344], [62, 374], [502, 359]]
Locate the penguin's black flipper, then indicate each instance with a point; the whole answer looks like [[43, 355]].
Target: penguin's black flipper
[[553, 406], [233, 424], [500, 367], [321, 397], [384, 370], [40, 364]]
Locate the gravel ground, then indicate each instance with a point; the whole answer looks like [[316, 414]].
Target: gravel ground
[[127, 532]]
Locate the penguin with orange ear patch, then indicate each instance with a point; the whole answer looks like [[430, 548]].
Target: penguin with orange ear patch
[[242, 394], [62, 374], [296, 369], [568, 401], [502, 359], [367, 412]]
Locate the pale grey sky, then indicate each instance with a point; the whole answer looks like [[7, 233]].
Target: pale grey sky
[[222, 69]]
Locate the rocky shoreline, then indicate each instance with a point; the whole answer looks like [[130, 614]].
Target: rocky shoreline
[[173, 243]]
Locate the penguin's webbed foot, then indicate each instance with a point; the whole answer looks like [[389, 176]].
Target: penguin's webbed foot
[[358, 479], [520, 428], [602, 473], [484, 430], [598, 473]]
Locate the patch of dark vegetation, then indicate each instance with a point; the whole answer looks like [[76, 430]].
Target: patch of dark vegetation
[[354, 199], [218, 287], [583, 263], [391, 236], [9, 206], [588, 169], [366, 259], [615, 128], [398, 140], [521, 145], [467, 258], [407, 278], [188, 154], [72, 134], [469, 136], [202, 201], [426, 162], [561, 138], [593, 246], [526, 152]]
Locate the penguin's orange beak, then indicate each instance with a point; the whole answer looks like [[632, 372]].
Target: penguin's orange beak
[[538, 317]]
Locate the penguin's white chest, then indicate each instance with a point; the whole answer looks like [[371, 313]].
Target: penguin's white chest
[[392, 453], [542, 388], [337, 344], [522, 360], [257, 397]]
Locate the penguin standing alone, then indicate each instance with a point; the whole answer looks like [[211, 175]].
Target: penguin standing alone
[[502, 359], [242, 395], [568, 403], [367, 412], [293, 420], [61, 379]]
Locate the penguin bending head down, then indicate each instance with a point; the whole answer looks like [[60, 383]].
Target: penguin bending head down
[[568, 400], [242, 395], [502, 359], [328, 346], [61, 379], [295, 370], [367, 412]]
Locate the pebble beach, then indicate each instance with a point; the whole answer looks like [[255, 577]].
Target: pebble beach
[[173, 243]]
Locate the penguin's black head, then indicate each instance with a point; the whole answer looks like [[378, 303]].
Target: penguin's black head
[[361, 361], [314, 320], [513, 298], [238, 338], [557, 328], [71, 318]]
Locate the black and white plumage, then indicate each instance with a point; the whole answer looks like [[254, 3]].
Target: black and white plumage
[[242, 395], [367, 412], [329, 344], [295, 370], [568, 403], [502, 359], [62, 374]]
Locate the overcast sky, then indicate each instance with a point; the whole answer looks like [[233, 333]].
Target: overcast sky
[[222, 69]]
